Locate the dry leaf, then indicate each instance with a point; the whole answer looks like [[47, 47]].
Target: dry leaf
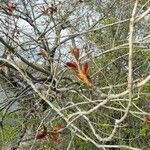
[[57, 127], [41, 133], [52, 9], [72, 65], [42, 53], [85, 68], [45, 10], [54, 137], [84, 78], [147, 120], [75, 52], [80, 73], [10, 7]]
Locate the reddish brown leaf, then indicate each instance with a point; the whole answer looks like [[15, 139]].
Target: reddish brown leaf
[[52, 9], [85, 68], [11, 7], [88, 82], [84, 78], [147, 120], [41, 133], [42, 53], [75, 52], [54, 137], [80, 76], [57, 127], [71, 65], [45, 10]]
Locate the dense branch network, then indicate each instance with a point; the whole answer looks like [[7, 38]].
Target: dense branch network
[[74, 68]]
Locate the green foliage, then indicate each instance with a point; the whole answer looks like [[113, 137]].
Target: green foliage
[[9, 128], [144, 130]]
